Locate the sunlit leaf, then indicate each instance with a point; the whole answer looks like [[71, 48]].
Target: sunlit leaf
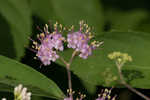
[[14, 73]]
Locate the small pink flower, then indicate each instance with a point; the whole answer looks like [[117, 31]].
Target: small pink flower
[[68, 98], [80, 41], [105, 95], [49, 44]]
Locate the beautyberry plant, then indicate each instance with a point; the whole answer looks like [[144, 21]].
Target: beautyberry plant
[[49, 44]]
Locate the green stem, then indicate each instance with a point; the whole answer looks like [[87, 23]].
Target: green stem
[[119, 66], [68, 72]]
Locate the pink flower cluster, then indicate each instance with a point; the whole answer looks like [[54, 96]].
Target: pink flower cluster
[[46, 51], [104, 95], [79, 42], [50, 43], [70, 97]]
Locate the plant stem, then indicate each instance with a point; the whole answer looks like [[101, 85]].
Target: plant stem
[[128, 86], [73, 55], [69, 78], [69, 73]]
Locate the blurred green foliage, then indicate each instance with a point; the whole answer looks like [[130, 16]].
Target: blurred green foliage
[[18, 15], [123, 25]]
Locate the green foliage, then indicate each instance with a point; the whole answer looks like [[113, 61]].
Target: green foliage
[[124, 21], [43, 9], [72, 11], [14, 73], [18, 15], [90, 87], [133, 43], [16, 27]]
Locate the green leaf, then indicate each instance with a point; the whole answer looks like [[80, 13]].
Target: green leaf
[[43, 9], [14, 73], [6, 39], [18, 15], [72, 11], [136, 73], [144, 25], [125, 20], [90, 87]]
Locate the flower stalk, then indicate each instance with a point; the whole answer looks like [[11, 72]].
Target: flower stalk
[[128, 86], [69, 73], [120, 60]]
